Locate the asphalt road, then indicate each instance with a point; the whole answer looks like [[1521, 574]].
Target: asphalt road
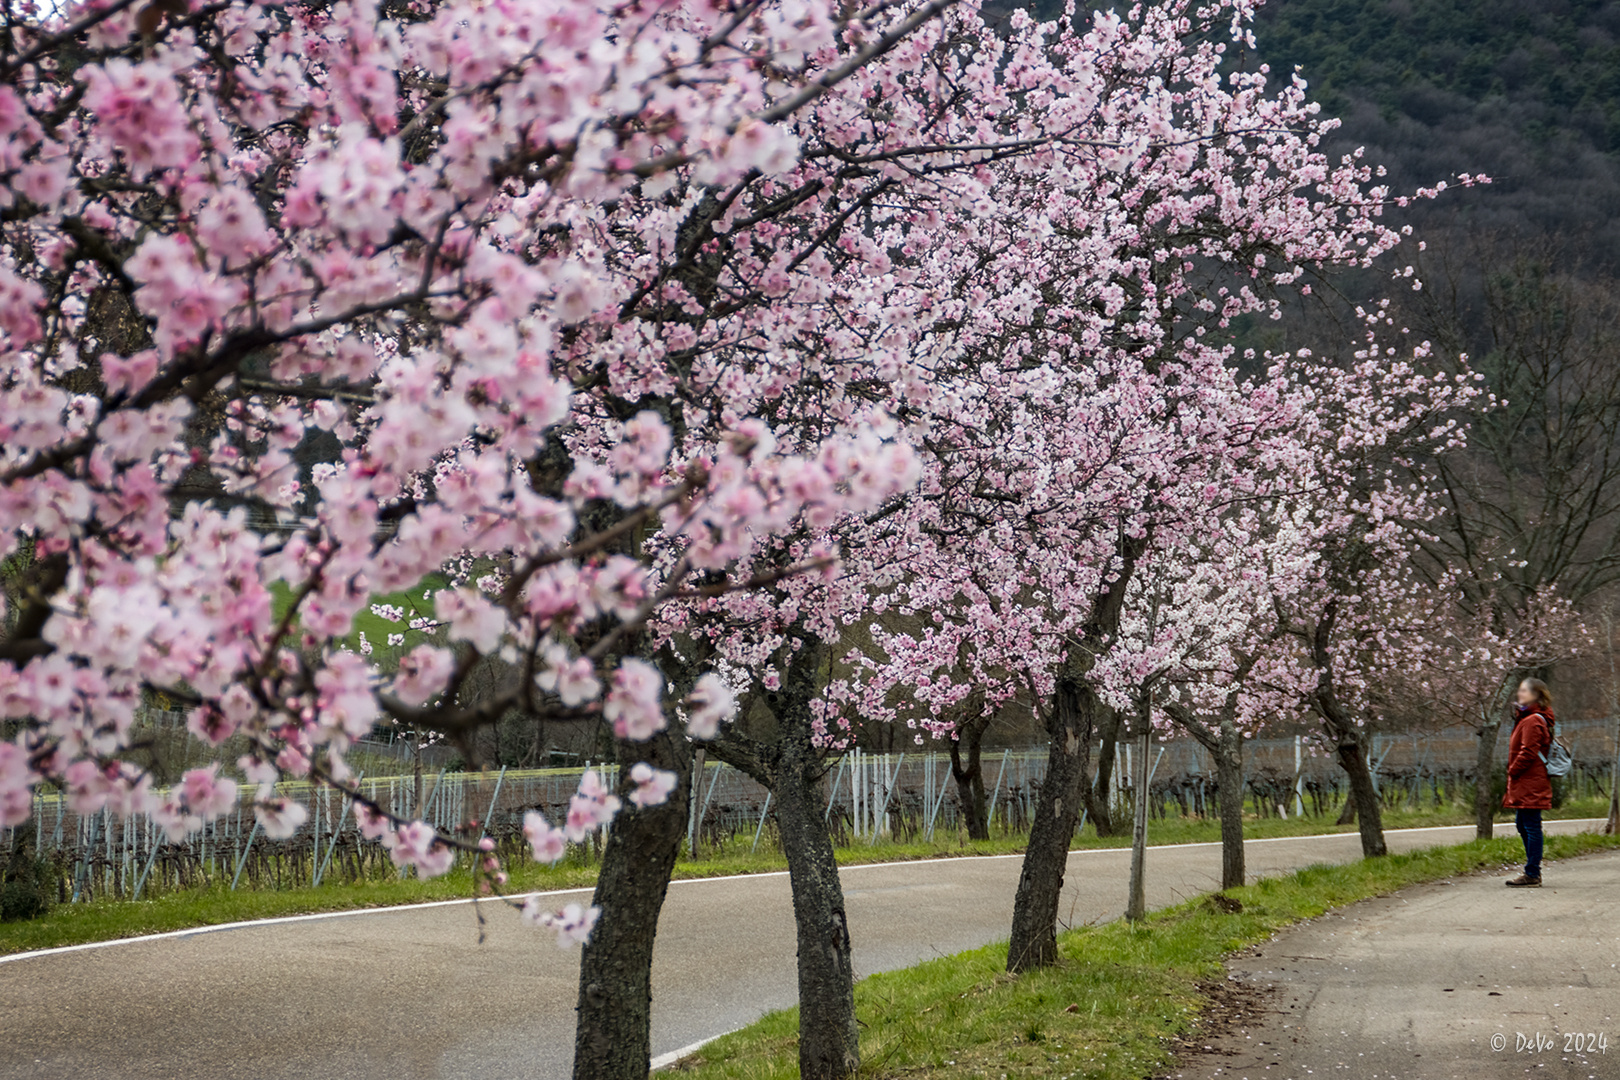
[[410, 994], [1456, 980]]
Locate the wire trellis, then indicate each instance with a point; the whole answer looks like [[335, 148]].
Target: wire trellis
[[868, 797]]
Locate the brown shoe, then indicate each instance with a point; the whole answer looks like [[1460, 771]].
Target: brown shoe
[[1524, 881]]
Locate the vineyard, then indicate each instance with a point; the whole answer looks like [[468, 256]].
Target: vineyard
[[901, 796]]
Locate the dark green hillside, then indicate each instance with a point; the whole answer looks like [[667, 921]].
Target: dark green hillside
[[1527, 91], [1552, 68]]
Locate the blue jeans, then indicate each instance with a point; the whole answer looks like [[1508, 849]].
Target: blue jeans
[[1528, 823]]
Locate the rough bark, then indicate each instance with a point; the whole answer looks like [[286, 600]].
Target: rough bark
[[1369, 811], [1033, 942], [1069, 725], [611, 1041], [791, 767], [1612, 826], [1229, 775], [1346, 736], [968, 772], [1485, 806], [1347, 814], [829, 1041], [1097, 808], [1484, 766], [1225, 744]]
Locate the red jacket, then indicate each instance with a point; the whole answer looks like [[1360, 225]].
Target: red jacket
[[1528, 787]]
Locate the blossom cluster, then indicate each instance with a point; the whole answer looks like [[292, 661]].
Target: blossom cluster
[[443, 241], [727, 325]]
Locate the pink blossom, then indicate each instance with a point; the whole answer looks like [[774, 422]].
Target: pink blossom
[[423, 673], [591, 806], [472, 618], [44, 182], [962, 403], [548, 844], [206, 793], [140, 106], [373, 825], [127, 374], [257, 770], [417, 844], [710, 704], [573, 923], [88, 785], [16, 785], [278, 816], [573, 680], [345, 697], [652, 785], [633, 703]]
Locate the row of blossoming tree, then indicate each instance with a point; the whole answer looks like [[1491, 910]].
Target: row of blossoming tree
[[707, 329]]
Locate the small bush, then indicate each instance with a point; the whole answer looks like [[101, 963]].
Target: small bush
[[25, 885]]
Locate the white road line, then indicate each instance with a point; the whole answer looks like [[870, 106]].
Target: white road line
[[664, 1061], [350, 912]]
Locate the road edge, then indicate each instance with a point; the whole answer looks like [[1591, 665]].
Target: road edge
[[274, 920]]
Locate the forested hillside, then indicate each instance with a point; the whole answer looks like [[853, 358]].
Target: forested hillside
[[1522, 276], [1526, 91]]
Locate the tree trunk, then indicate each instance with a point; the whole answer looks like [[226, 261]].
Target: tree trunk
[[1613, 824], [611, 1040], [1369, 812], [416, 771], [1345, 735], [969, 779], [1484, 767], [1097, 807], [1033, 942], [1229, 775], [1347, 815], [1485, 806], [829, 1040], [1136, 904], [1225, 744], [1069, 725]]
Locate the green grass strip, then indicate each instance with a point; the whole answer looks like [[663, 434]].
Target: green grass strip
[[1109, 1010]]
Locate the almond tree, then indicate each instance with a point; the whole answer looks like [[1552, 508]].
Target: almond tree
[[1038, 236], [1533, 498], [1095, 414], [1359, 608], [435, 232], [1222, 607], [1479, 647]]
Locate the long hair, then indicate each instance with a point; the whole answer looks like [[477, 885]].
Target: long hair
[[1543, 695]]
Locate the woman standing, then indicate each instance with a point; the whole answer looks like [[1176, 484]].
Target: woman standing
[[1529, 790]]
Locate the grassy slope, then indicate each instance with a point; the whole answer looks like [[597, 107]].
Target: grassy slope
[[105, 920], [1109, 1009], [375, 627]]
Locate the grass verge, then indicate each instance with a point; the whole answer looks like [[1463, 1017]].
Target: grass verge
[[1109, 1010], [105, 920]]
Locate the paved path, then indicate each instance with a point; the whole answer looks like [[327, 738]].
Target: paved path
[[409, 994], [1456, 980]]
